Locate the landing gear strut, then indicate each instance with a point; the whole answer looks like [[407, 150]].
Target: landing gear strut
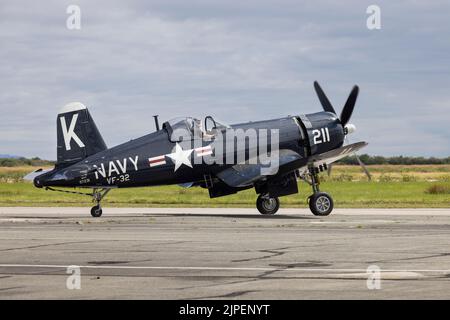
[[267, 205], [320, 203], [97, 196]]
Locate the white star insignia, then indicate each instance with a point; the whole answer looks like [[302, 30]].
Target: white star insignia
[[180, 157]]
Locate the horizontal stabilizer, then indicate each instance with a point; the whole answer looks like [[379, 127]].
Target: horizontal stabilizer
[[30, 176]]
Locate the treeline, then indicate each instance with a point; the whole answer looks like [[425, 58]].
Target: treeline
[[19, 162], [394, 160]]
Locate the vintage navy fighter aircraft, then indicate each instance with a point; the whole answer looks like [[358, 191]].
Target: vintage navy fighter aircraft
[[306, 145]]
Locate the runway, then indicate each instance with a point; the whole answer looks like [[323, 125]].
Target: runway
[[231, 253]]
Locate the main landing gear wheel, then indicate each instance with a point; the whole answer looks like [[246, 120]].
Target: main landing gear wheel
[[267, 205], [96, 211], [321, 204]]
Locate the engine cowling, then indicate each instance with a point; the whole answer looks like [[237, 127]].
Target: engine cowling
[[324, 131]]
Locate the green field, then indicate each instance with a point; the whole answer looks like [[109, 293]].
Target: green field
[[392, 186]]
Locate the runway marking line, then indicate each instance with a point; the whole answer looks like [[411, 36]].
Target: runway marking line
[[216, 268]]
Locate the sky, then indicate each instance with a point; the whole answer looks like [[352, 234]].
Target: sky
[[235, 60]]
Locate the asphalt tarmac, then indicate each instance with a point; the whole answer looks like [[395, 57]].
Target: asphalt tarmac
[[229, 253]]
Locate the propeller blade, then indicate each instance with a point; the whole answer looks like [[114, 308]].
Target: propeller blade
[[349, 105], [323, 98], [329, 167], [363, 166]]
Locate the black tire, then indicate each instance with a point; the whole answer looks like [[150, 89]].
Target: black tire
[[96, 211], [266, 205], [321, 204]]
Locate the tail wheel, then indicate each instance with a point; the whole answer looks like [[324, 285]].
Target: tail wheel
[[321, 204], [267, 205], [96, 211]]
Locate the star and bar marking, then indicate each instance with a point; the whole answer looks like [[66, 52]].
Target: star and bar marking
[[179, 156]]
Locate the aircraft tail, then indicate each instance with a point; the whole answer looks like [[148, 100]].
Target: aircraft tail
[[78, 136]]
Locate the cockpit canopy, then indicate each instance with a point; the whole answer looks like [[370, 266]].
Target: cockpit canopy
[[188, 128]]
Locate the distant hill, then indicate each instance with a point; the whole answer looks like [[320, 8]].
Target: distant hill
[[20, 161], [9, 156]]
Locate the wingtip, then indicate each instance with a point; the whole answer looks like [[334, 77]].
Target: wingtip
[[363, 144]]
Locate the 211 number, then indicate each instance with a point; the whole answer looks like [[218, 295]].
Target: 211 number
[[320, 136]]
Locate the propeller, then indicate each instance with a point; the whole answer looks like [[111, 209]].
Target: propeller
[[361, 164], [348, 107], [326, 104], [345, 116]]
